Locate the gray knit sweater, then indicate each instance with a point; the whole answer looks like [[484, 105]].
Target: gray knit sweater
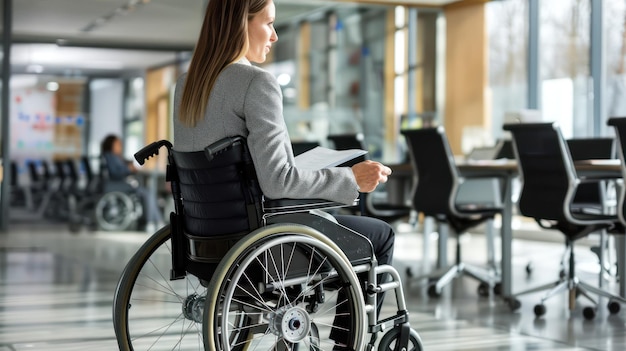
[[246, 100]]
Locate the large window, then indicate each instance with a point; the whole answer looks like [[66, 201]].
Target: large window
[[615, 31], [564, 70], [507, 23], [345, 61]]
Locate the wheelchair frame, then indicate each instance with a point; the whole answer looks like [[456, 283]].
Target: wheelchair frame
[[240, 313]]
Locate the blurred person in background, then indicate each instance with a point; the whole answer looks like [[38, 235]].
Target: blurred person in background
[[118, 170]]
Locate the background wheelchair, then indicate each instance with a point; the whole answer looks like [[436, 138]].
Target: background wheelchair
[[102, 204], [237, 271]]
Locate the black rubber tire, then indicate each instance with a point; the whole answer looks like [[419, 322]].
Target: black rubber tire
[[540, 310], [272, 250], [483, 289], [589, 313], [614, 307], [514, 304], [388, 341], [145, 283], [432, 291]]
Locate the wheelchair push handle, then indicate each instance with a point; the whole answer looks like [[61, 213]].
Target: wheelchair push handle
[[221, 145], [151, 150]]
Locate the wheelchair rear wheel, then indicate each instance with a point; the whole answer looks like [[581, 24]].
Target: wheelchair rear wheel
[[284, 282], [115, 211], [150, 309]]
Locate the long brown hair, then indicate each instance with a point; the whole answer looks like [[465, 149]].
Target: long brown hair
[[223, 40]]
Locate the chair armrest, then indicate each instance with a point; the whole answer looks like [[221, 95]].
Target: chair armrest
[[298, 205], [598, 178]]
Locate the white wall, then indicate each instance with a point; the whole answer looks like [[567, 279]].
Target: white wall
[[107, 99]]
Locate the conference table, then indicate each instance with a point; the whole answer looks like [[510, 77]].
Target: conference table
[[507, 170]]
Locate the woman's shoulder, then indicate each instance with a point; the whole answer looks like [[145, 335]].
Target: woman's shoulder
[[248, 71]]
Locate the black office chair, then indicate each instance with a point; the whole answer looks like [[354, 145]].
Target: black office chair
[[619, 124], [550, 182], [595, 197], [347, 142], [368, 206], [435, 195], [505, 149], [300, 147], [591, 197]]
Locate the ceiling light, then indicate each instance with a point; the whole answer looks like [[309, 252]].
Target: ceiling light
[[52, 86]]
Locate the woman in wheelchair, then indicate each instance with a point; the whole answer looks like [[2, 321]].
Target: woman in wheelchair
[[261, 274], [223, 95], [118, 169]]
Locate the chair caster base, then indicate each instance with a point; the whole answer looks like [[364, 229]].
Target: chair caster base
[[539, 310], [614, 307], [514, 304], [432, 291], [589, 313], [483, 289]]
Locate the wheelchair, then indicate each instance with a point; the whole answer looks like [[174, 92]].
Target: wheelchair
[[236, 271], [102, 204]]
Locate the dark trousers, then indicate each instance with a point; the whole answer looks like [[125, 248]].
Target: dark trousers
[[381, 235]]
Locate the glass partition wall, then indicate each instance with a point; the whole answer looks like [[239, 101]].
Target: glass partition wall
[[358, 69], [567, 74]]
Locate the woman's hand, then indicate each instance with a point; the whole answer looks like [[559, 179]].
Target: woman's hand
[[368, 174]]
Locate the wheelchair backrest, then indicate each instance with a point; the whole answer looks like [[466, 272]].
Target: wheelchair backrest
[[220, 196]]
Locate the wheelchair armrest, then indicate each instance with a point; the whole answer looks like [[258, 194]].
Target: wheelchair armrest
[[297, 205]]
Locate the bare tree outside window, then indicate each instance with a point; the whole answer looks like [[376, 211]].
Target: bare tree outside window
[[507, 24], [615, 29], [564, 69]]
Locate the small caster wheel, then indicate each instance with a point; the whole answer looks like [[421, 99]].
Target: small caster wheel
[[432, 291], [409, 272], [529, 268], [614, 307], [483, 289], [74, 227], [589, 313], [562, 273], [539, 310], [391, 341], [497, 289], [514, 304]]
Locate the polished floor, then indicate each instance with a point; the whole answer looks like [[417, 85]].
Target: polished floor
[[56, 290]]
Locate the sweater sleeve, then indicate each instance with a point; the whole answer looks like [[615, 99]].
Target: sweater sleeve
[[118, 170], [272, 155]]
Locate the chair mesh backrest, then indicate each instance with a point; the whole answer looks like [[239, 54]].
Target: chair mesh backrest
[[546, 167], [435, 170], [218, 196], [619, 123]]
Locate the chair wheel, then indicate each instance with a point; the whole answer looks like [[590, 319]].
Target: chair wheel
[[514, 304], [432, 291], [483, 289], [562, 273], [614, 307], [540, 310], [409, 272], [529, 268], [589, 313], [391, 341], [74, 226], [497, 289]]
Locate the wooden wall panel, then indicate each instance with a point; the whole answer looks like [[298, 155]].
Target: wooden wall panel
[[466, 70], [68, 135]]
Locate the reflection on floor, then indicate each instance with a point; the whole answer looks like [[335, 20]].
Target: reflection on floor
[[56, 291]]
